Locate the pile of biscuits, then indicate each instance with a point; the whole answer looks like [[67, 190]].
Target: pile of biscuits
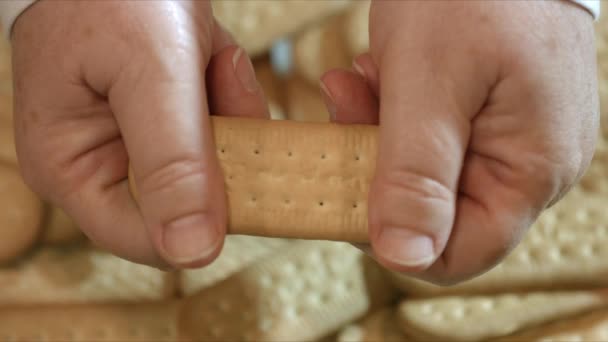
[[55, 286]]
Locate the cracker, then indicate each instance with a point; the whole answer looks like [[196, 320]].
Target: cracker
[[20, 217], [565, 249], [357, 27], [79, 274], [304, 101], [482, 317], [255, 25], [303, 292], [589, 327], [320, 49], [379, 326], [60, 228], [295, 180], [238, 253], [111, 322]]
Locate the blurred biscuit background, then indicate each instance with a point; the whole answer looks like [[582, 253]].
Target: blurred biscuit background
[[55, 286]]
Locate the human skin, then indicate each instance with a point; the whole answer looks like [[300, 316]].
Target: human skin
[[487, 113]]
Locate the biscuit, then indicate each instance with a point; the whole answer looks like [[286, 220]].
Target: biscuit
[[20, 217], [295, 180], [589, 327], [109, 322], [303, 292], [304, 101], [379, 326], [60, 228], [255, 25], [238, 253], [320, 49], [565, 249], [479, 318], [357, 27], [79, 274]]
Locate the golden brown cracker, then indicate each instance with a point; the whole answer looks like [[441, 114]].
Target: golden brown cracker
[[295, 180], [237, 254], [303, 292], [79, 274], [478, 318], [591, 327], [109, 322]]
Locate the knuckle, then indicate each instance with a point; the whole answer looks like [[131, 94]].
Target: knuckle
[[165, 177], [418, 185]]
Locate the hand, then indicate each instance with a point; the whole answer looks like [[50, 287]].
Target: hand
[[488, 114], [99, 84]]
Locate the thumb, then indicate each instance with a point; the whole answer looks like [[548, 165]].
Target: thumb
[[423, 136]]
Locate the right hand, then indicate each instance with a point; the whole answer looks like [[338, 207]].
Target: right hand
[[100, 85]]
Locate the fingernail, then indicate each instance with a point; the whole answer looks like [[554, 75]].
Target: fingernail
[[190, 239], [244, 71], [329, 101], [359, 69], [406, 248]]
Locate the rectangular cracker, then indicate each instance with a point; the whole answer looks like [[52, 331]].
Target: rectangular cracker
[[589, 327], [80, 274], [301, 293], [110, 322], [478, 318], [295, 180], [565, 249], [238, 253]]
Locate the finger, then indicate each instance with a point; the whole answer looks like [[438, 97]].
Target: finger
[[364, 65], [424, 131], [233, 89], [349, 97], [161, 107]]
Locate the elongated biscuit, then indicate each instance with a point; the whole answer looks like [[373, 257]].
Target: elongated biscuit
[[296, 180], [110, 322], [479, 318], [80, 274], [301, 293], [21, 215], [565, 249]]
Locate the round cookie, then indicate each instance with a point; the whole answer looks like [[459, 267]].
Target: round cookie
[[8, 153], [60, 228], [21, 215]]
